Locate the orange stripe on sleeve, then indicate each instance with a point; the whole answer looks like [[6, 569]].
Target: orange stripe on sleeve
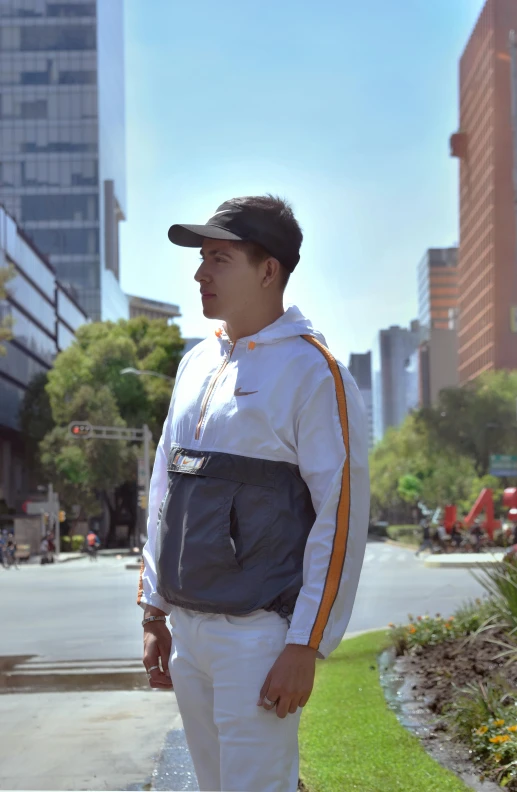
[[140, 583], [337, 557]]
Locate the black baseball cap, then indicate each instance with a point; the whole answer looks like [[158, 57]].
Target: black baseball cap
[[240, 224]]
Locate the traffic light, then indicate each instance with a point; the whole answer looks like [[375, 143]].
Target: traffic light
[[80, 429], [62, 516]]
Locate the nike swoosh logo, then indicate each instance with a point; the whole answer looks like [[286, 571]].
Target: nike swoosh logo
[[240, 392]]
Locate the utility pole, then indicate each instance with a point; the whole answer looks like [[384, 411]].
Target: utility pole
[[53, 516], [513, 89]]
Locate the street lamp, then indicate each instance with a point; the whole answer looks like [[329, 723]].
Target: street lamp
[[139, 372]]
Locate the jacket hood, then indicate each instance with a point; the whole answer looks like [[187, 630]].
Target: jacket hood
[[292, 323]]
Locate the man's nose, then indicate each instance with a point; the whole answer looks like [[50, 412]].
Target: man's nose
[[201, 274]]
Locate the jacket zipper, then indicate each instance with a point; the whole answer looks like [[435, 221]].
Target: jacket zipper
[[210, 390]]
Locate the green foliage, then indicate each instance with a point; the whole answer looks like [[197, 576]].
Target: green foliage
[[430, 631], [77, 543], [86, 384], [6, 323], [408, 534], [477, 419], [485, 717], [447, 448], [85, 467], [409, 488], [500, 582], [351, 741], [35, 418], [66, 544]]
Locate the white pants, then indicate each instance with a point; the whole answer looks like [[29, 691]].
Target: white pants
[[218, 666]]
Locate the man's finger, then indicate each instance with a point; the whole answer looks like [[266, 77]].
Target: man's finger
[[157, 679], [165, 657], [271, 698], [263, 690], [305, 698], [283, 706]]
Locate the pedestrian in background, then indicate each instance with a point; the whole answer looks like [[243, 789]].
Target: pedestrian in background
[[92, 544], [427, 542], [259, 506]]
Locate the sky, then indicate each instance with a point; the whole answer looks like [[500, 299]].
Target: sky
[[343, 107]]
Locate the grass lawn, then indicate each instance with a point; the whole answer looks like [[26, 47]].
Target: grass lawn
[[351, 742], [406, 534]]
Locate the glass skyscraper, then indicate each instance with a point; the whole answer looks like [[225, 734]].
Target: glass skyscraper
[[62, 139]]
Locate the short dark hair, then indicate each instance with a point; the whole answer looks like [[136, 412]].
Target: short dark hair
[[282, 216]]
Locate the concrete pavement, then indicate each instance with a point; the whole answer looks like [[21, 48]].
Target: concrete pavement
[[75, 711]]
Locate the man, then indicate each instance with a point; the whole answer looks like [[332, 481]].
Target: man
[[92, 544], [258, 510]]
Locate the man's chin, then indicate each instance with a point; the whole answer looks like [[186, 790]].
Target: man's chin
[[210, 310]]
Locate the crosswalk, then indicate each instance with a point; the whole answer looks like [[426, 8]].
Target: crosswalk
[[390, 555]]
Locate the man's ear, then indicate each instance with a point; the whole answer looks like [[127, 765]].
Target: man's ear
[[271, 271]]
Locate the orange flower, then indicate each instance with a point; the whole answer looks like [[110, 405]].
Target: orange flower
[[482, 730], [412, 630], [499, 722], [500, 738], [448, 626], [511, 728]]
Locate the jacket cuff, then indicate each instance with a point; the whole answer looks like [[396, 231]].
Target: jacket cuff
[[303, 640], [156, 601]]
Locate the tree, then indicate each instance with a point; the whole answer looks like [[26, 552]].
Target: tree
[[6, 324], [35, 420], [86, 385], [477, 419]]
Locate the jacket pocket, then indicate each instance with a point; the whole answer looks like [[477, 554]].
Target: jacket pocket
[[213, 540]]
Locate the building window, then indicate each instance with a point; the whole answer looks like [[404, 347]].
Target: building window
[[78, 77], [69, 10], [33, 110], [71, 37], [66, 241], [59, 207]]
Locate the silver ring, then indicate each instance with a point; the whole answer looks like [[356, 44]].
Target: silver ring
[[152, 669], [269, 702]]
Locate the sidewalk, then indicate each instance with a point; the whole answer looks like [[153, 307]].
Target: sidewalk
[[465, 560], [77, 556]]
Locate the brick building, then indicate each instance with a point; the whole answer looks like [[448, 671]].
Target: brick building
[[487, 269]]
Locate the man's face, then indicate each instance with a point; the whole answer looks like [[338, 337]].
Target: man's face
[[229, 284]]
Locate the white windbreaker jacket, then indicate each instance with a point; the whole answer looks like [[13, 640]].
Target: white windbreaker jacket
[[278, 396]]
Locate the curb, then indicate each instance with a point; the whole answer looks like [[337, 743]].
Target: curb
[[461, 564], [394, 543], [363, 632]]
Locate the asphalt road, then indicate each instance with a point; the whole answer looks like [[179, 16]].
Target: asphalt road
[[75, 712]]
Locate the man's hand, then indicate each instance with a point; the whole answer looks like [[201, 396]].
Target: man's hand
[[289, 683], [157, 648]]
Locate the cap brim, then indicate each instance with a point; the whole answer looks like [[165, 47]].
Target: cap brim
[[193, 235]]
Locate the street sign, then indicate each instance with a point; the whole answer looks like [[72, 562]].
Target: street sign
[[80, 429], [503, 465], [37, 508]]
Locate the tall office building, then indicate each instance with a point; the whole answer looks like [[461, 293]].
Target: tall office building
[[360, 367], [487, 278], [62, 139], [437, 358], [395, 376], [437, 288], [44, 320]]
